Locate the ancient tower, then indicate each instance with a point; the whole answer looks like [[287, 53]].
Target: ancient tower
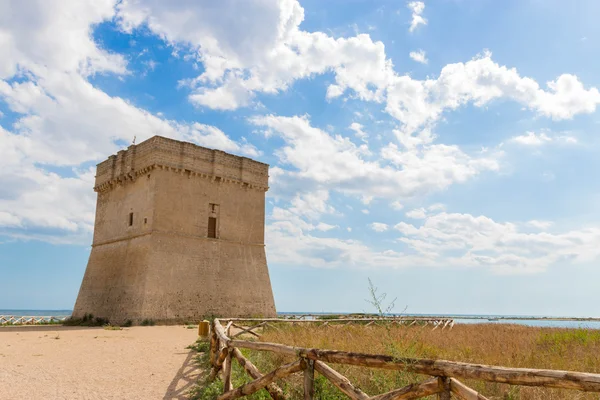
[[179, 235]]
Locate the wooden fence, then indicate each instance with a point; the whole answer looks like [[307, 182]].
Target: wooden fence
[[443, 375], [29, 320], [436, 322]]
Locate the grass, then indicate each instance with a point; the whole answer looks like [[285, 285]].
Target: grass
[[112, 328], [206, 390], [495, 344]]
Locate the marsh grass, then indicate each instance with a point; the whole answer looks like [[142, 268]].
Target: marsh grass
[[494, 344]]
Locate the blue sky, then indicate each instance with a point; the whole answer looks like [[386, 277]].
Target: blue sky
[[445, 149]]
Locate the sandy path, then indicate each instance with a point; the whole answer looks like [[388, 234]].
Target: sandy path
[[93, 363]]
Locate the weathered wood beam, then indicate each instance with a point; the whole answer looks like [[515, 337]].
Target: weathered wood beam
[[444, 383], [227, 385], [295, 321], [464, 392], [214, 344], [260, 383], [340, 381], [309, 380], [249, 330], [414, 391], [514, 376], [228, 327], [274, 390], [218, 363]]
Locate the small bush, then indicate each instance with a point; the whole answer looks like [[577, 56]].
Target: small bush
[[147, 322], [86, 320], [127, 323], [200, 346], [112, 328]]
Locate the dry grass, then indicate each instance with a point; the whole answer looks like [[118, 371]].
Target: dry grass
[[495, 344]]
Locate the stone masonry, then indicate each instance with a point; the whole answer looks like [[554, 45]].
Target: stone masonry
[[179, 235]]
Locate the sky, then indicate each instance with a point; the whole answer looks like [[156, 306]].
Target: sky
[[447, 150]]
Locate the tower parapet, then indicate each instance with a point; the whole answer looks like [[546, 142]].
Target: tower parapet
[[180, 156]]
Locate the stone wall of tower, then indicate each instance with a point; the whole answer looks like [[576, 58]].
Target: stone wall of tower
[[152, 257]]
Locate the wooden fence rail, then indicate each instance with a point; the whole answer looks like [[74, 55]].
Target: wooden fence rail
[[423, 321], [443, 374], [30, 320]]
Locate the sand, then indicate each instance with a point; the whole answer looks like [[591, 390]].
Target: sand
[[54, 362]]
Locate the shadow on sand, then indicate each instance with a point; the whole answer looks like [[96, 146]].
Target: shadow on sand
[[186, 377]]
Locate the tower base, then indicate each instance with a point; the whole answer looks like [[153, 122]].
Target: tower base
[[173, 278]]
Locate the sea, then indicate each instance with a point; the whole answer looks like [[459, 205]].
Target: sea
[[546, 321]]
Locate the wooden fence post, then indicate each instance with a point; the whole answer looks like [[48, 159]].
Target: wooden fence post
[[227, 385], [445, 383], [214, 345], [309, 380]]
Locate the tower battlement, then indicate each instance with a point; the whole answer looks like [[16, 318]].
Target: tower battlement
[[182, 157], [178, 227]]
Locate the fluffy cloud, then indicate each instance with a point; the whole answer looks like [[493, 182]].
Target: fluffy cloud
[[540, 224], [238, 64], [418, 103], [396, 205], [379, 226], [54, 35], [538, 139], [295, 236], [334, 161], [358, 131], [417, 8], [417, 213], [478, 241], [419, 56], [62, 121], [531, 139]]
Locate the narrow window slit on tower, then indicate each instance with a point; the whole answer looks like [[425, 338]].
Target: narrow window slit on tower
[[212, 227], [130, 219]]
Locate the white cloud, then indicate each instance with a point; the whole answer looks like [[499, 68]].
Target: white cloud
[[55, 35], [291, 241], [323, 227], [538, 139], [418, 103], [417, 213], [379, 226], [335, 162], [436, 207], [465, 240], [419, 56], [396, 205], [365, 211], [417, 8], [63, 120], [266, 52], [263, 52], [540, 224], [358, 131], [531, 139]]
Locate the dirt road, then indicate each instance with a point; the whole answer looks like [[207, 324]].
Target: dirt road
[[52, 362]]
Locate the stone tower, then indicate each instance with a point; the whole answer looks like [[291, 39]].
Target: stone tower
[[179, 235]]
